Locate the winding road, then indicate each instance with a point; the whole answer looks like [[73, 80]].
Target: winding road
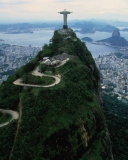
[[37, 73], [14, 115]]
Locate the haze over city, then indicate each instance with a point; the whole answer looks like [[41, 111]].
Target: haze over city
[[38, 10]]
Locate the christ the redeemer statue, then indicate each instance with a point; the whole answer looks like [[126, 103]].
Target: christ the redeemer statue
[[65, 13]]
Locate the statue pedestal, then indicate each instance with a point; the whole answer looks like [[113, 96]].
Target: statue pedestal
[[65, 26]]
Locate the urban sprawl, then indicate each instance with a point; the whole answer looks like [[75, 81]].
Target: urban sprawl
[[14, 56], [114, 74]]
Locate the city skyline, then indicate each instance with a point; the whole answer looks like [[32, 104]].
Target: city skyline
[[38, 10]]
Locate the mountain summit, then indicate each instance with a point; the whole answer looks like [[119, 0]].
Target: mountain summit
[[58, 99], [116, 39], [116, 33]]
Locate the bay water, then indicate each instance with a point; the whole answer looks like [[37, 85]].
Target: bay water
[[43, 36]]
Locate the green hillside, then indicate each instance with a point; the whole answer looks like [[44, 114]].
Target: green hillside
[[5, 117], [61, 122]]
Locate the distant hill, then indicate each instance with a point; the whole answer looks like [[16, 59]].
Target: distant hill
[[116, 39], [124, 30], [88, 39], [91, 27]]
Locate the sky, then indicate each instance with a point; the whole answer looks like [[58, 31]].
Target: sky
[[40, 10]]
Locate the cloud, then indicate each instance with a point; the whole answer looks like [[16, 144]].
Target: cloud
[[5, 10], [47, 9], [14, 2], [65, 1]]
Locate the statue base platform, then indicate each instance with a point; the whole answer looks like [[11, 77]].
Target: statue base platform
[[67, 31], [65, 26]]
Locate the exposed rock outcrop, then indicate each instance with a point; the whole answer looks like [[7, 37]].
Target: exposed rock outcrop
[[116, 33], [116, 39]]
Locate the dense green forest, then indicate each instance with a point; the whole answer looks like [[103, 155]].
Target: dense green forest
[[116, 113], [30, 79], [7, 135], [65, 121], [5, 117]]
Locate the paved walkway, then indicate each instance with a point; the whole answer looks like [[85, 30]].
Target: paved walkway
[[63, 62], [14, 115]]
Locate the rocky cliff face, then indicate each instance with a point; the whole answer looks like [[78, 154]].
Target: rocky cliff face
[[116, 39], [66, 121], [116, 33]]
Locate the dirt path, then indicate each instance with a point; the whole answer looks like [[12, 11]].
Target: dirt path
[[36, 73], [14, 115], [18, 126]]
